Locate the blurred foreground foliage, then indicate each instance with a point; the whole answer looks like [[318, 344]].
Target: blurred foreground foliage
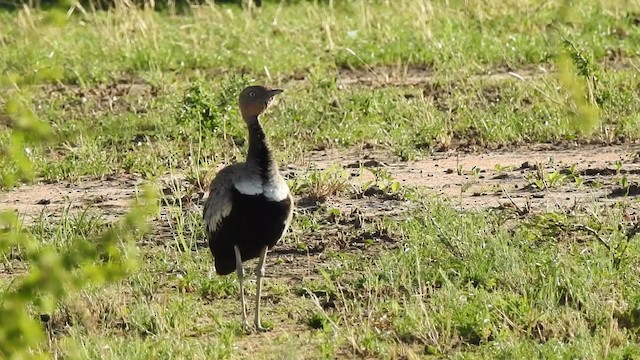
[[579, 76], [53, 274]]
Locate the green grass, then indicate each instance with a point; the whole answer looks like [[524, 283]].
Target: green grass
[[215, 50], [459, 284], [409, 121], [311, 37]]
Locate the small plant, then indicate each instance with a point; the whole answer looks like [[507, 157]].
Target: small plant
[[573, 174], [537, 178], [318, 321], [503, 169], [209, 112], [617, 166], [579, 181], [555, 179], [321, 184], [216, 287], [15, 165], [383, 181], [584, 64], [538, 183], [624, 184], [542, 180], [615, 237], [197, 106], [596, 184]]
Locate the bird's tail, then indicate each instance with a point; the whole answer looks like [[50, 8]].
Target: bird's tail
[[224, 256], [225, 263]]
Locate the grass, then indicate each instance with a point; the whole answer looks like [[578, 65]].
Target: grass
[[208, 55], [410, 122], [460, 285], [149, 93], [453, 37]]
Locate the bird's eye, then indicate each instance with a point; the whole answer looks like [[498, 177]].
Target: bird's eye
[[252, 94]]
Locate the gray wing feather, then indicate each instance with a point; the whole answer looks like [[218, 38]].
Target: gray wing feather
[[287, 222], [218, 205]]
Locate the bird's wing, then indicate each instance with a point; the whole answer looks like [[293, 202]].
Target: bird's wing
[[287, 221], [218, 204]]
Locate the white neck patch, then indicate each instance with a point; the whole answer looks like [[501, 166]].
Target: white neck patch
[[249, 185], [275, 190]]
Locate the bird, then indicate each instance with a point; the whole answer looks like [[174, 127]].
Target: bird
[[249, 207]]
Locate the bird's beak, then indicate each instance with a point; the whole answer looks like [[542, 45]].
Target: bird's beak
[[274, 92]]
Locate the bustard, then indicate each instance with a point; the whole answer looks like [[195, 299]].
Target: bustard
[[249, 207]]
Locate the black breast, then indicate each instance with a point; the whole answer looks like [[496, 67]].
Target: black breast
[[254, 222]]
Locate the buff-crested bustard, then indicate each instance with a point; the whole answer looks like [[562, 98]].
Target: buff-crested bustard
[[249, 207]]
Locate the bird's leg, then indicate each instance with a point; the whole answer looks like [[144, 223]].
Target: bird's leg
[[259, 275], [240, 273]]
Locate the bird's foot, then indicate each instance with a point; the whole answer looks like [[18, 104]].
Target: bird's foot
[[246, 328], [260, 328]]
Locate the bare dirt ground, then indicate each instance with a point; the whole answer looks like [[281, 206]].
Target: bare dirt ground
[[495, 179], [110, 197], [471, 181]]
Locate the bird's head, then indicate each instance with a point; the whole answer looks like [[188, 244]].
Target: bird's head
[[255, 99]]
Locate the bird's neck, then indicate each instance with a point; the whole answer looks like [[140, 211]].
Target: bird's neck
[[259, 153]]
